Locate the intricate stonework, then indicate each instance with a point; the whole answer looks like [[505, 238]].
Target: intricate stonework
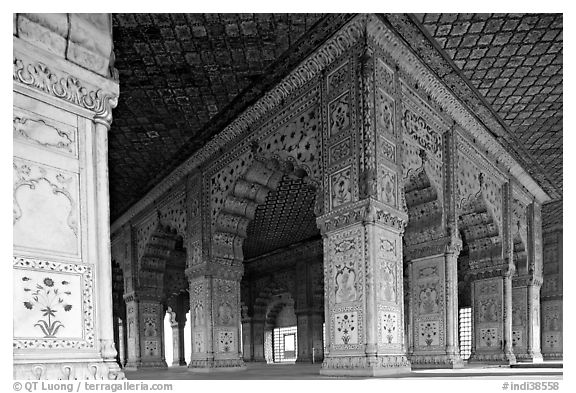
[[39, 76]]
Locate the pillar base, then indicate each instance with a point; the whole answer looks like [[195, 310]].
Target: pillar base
[[133, 366], [493, 358], [436, 361], [553, 356], [534, 357], [179, 363], [68, 370], [362, 366], [216, 365]]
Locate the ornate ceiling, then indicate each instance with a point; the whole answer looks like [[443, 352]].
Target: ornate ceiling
[[287, 217], [514, 61], [183, 78]]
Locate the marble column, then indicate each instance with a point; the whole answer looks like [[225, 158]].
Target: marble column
[[364, 297], [552, 296], [64, 93], [259, 350], [434, 311], [247, 341], [121, 342], [178, 324], [216, 317], [145, 336], [310, 344]]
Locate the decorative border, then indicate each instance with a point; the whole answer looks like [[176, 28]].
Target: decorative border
[[67, 87], [87, 277]]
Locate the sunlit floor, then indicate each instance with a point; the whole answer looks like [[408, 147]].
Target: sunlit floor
[[311, 371]]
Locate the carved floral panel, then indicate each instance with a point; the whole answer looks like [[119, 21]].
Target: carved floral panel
[[338, 79], [345, 260], [388, 186], [385, 113], [339, 115], [341, 187]]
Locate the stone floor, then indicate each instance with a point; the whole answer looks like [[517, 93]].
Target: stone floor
[[260, 371]]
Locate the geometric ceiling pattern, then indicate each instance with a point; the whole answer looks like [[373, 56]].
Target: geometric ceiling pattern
[[184, 77], [515, 62], [287, 217]]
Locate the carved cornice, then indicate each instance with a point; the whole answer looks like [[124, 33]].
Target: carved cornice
[[481, 269], [144, 295], [527, 280], [435, 87], [30, 69], [364, 211], [308, 69], [445, 245]]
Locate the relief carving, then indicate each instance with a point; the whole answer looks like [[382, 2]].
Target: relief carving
[[345, 255], [40, 132], [340, 188], [421, 132], [339, 115]]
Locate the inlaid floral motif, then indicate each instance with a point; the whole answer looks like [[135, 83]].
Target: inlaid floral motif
[[48, 297], [387, 325], [226, 340], [429, 333], [488, 337], [346, 331]]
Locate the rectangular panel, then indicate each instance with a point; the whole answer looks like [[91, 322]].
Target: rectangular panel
[[53, 306], [46, 209]]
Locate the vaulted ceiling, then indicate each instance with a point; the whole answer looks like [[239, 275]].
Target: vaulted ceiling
[[184, 77]]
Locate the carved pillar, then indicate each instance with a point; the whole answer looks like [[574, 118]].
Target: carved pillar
[[552, 295], [247, 341], [363, 223], [308, 315], [215, 308], [492, 297], [434, 311], [214, 294], [526, 320], [121, 342], [145, 333], [258, 341], [432, 249], [63, 100]]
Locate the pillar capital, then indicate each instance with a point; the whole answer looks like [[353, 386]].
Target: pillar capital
[[367, 211], [228, 269]]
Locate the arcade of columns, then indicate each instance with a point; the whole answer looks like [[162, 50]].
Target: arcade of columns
[[413, 197]]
